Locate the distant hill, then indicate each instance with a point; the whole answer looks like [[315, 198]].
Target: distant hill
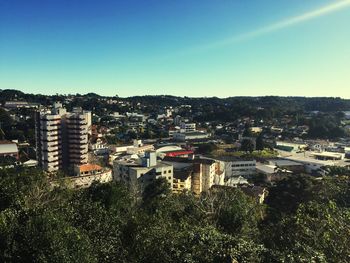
[[326, 104]]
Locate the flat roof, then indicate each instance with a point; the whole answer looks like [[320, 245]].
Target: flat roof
[[233, 159], [89, 167], [8, 147], [284, 162], [186, 160], [328, 154]]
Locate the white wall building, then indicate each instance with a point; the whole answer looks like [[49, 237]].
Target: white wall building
[[61, 139], [235, 167], [142, 171], [188, 127], [190, 136]]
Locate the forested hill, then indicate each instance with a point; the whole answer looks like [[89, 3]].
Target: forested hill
[[326, 104], [302, 103]]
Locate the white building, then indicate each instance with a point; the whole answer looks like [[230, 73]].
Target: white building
[[188, 127], [61, 139], [187, 136], [141, 171], [290, 147], [236, 167], [206, 172]]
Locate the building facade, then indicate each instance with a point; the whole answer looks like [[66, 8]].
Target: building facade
[[61, 139], [140, 172]]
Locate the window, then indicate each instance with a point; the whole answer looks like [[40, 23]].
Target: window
[[169, 171]]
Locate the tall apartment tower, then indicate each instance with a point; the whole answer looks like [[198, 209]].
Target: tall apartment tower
[[61, 138]]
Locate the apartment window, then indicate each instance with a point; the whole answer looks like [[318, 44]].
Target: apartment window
[[169, 171], [164, 172]]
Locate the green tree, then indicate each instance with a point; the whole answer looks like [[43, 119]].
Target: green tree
[[316, 233], [247, 145], [260, 145]]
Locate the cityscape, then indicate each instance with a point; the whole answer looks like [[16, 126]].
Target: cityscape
[[185, 149]]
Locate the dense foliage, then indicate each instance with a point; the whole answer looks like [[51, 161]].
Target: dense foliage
[[304, 220]]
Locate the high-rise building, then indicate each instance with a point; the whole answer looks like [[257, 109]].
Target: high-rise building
[[61, 138]]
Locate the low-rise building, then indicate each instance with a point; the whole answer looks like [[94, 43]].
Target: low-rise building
[[235, 166], [205, 172], [188, 126], [290, 147], [329, 156], [188, 136], [87, 174], [288, 165], [140, 171]]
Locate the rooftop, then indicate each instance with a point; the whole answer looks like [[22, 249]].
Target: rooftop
[[89, 167], [8, 147], [186, 160]]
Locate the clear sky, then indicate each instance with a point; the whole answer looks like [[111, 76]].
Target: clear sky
[[178, 47]]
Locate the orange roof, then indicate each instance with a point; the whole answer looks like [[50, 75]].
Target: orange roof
[[89, 167]]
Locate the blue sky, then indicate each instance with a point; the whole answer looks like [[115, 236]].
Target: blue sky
[[183, 47]]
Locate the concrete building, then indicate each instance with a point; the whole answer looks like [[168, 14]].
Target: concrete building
[[140, 171], [235, 166], [205, 172], [87, 116], [329, 156], [187, 136], [188, 127], [61, 139], [290, 147], [288, 165]]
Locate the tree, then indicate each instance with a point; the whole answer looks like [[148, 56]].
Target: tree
[[207, 148], [316, 233], [260, 145], [158, 188], [288, 194], [247, 145]]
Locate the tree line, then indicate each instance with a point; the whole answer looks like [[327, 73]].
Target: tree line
[[302, 220]]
